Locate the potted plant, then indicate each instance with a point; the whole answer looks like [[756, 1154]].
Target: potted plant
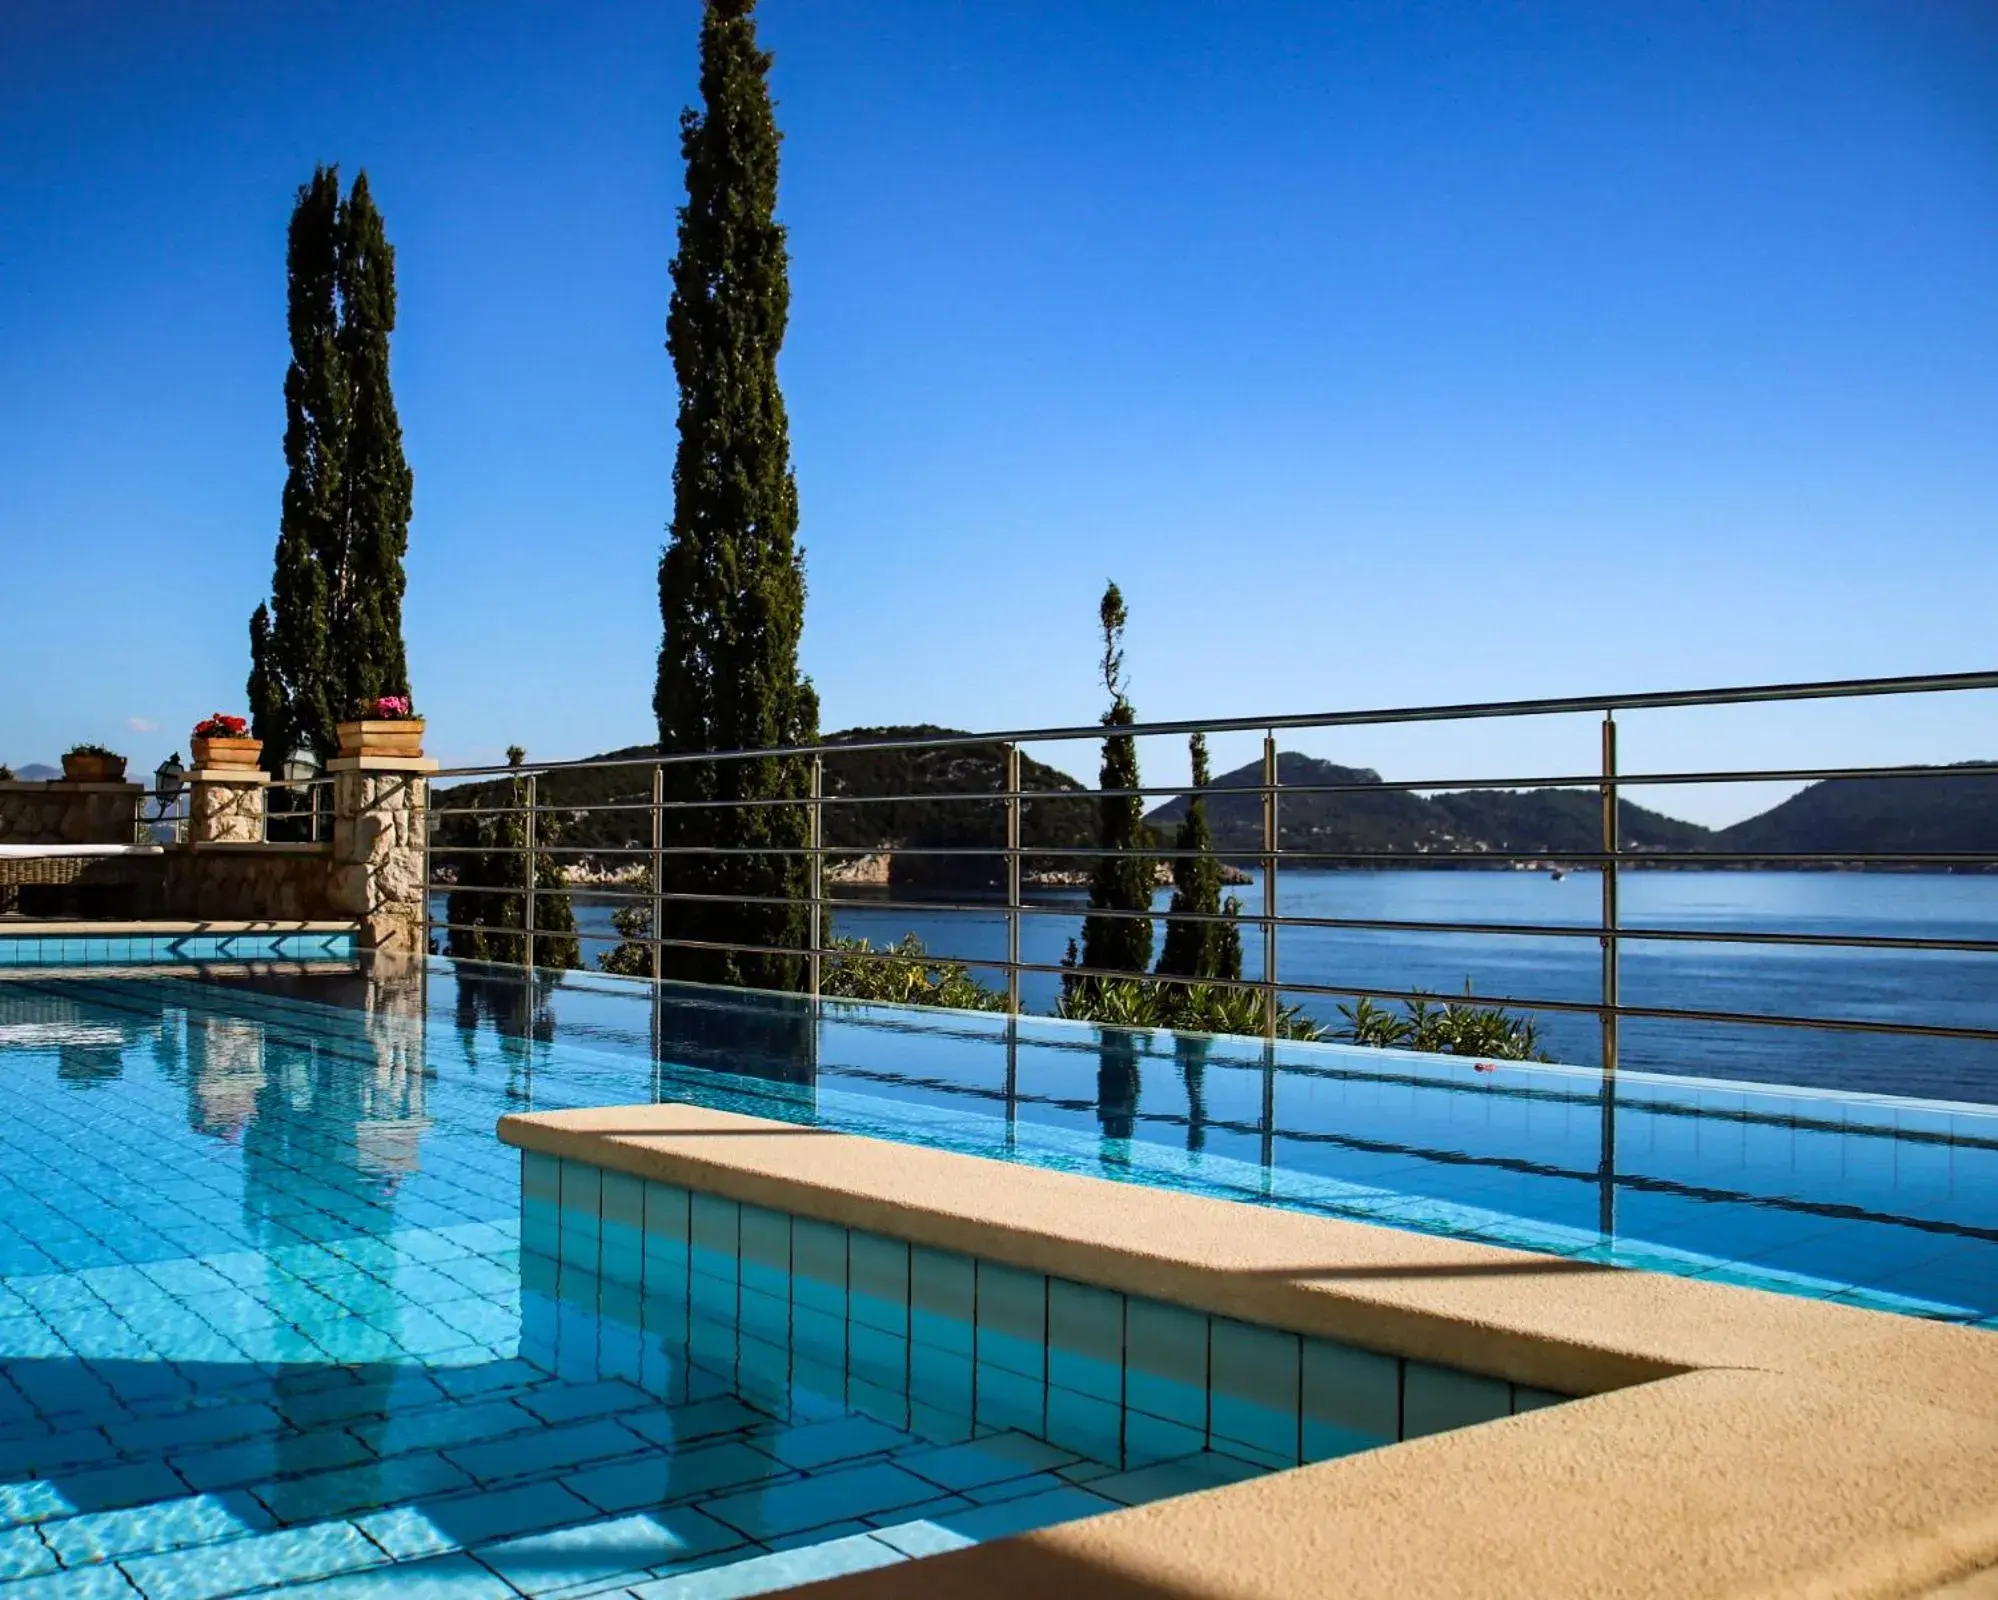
[[92, 763], [383, 725], [221, 740]]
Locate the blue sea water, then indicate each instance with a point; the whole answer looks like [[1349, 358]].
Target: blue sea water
[[1938, 988]]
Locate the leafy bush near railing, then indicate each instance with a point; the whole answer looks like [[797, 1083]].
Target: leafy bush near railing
[[1197, 1007], [903, 974], [1447, 1027]]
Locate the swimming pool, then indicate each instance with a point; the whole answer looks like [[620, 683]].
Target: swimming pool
[[265, 1317]]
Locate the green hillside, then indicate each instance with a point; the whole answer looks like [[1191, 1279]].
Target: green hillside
[[1957, 809], [1394, 821]]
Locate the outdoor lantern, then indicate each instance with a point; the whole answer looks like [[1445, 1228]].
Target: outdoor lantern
[[302, 765], [167, 778]]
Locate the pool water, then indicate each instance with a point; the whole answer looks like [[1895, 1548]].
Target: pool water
[[266, 1321]]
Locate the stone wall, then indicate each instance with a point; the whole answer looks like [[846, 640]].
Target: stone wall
[[249, 883], [69, 813]]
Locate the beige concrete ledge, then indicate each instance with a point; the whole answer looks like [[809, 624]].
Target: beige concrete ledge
[[1738, 1442]]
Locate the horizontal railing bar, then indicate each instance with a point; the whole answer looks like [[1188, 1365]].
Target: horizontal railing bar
[[1834, 689], [997, 909], [1628, 857], [1503, 1002]]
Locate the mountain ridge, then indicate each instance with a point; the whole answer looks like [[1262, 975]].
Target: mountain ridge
[[886, 800]]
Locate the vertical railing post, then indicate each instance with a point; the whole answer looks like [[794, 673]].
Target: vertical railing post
[[429, 828], [1269, 886], [658, 857], [528, 877], [1611, 997], [1012, 883], [818, 863]]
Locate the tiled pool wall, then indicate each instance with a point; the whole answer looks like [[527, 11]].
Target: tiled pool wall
[[168, 949], [795, 1312]]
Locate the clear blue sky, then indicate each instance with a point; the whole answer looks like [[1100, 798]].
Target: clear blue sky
[[1384, 353]]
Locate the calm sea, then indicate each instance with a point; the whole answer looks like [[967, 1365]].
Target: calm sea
[[1913, 986]]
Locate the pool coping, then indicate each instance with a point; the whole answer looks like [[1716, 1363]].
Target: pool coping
[[1737, 1441]]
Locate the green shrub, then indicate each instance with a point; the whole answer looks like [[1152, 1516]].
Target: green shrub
[[1195, 1007], [1447, 1027], [902, 974]]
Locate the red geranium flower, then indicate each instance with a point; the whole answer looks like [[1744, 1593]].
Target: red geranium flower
[[221, 725]]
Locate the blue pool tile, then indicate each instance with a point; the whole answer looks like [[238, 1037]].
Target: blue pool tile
[[1165, 1372], [768, 1574], [1020, 1516], [86, 1583], [1436, 1399], [1525, 1399], [1085, 1424], [668, 1222], [762, 1314], [171, 1523], [24, 1555], [597, 1551], [816, 1501], [818, 1445], [1086, 1339], [551, 1449], [665, 1477], [1188, 1475], [261, 1561], [540, 1177], [765, 1242], [1148, 1439], [326, 1495], [942, 1299], [1255, 1388], [1012, 1313], [1351, 1399], [1003, 1399], [992, 1459], [571, 1402], [818, 1265], [715, 1234], [451, 1577], [940, 1379], [433, 1527]]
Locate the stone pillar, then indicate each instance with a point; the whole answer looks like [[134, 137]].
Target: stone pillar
[[225, 805], [381, 810]]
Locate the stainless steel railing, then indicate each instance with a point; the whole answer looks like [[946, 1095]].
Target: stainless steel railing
[[1611, 857]]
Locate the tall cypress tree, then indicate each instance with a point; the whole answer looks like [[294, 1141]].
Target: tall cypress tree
[[1122, 880], [289, 702], [332, 631], [366, 659], [1196, 949], [732, 580]]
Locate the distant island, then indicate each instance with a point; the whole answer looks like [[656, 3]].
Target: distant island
[[880, 802]]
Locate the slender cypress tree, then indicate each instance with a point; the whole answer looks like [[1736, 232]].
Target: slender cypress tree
[[366, 658], [1194, 949], [732, 581], [288, 685], [332, 631], [1122, 880]]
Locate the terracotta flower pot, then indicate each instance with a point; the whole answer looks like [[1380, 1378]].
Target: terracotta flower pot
[[223, 752], [93, 769], [397, 736]]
